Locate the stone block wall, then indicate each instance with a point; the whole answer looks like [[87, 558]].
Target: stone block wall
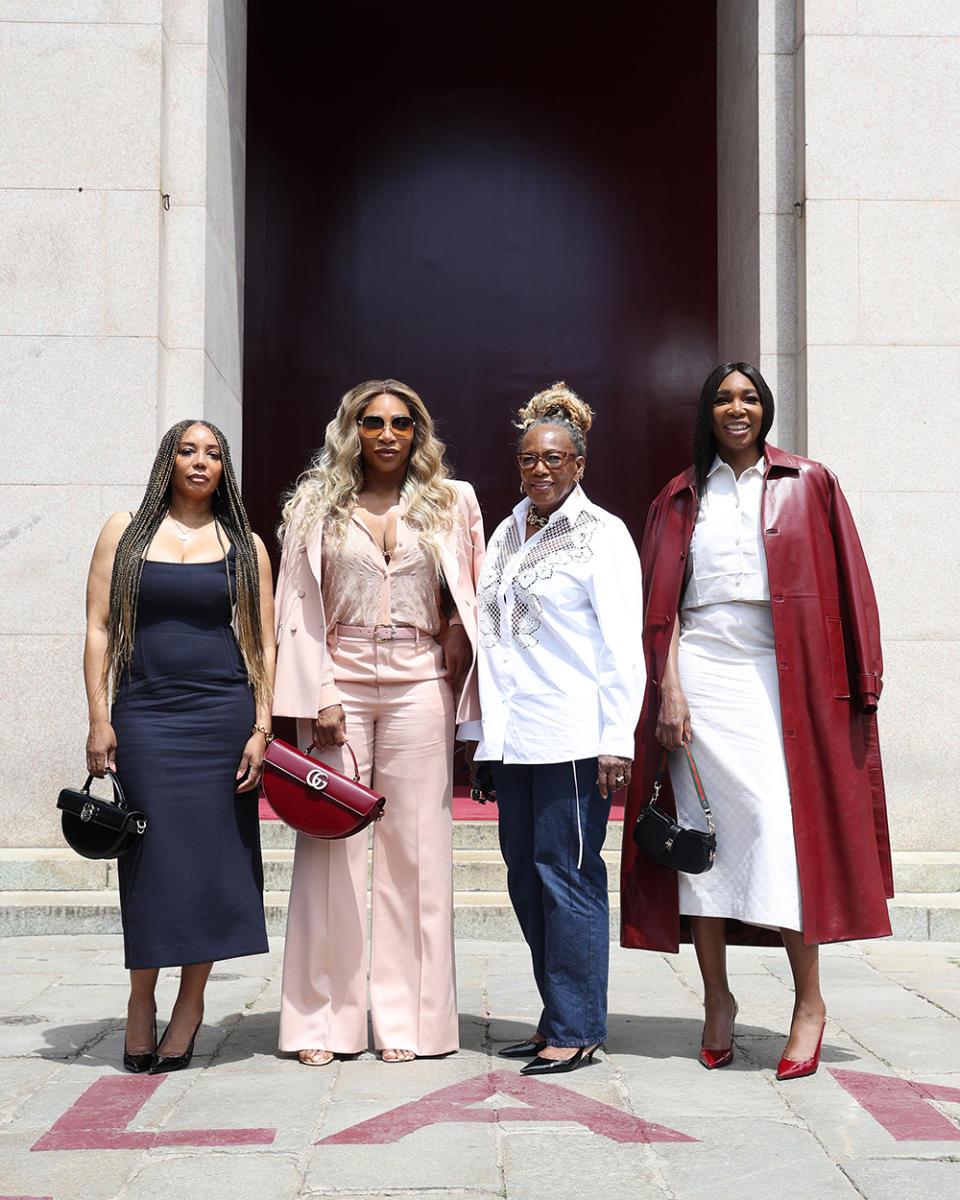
[[121, 285], [121, 311], [879, 334]]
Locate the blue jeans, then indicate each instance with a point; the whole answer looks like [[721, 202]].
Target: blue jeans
[[563, 910]]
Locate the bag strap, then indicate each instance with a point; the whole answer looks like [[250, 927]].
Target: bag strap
[[119, 799], [356, 769], [697, 783]]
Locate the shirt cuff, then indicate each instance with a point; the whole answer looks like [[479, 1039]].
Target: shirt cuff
[[612, 742], [328, 695]]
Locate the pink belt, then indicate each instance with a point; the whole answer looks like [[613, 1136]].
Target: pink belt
[[379, 633]]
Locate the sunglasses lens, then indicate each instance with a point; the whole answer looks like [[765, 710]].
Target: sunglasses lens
[[374, 426]]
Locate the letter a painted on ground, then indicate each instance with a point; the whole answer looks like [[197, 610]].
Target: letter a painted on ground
[[99, 1120], [542, 1102], [900, 1105]]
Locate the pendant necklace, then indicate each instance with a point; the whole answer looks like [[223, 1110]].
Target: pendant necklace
[[183, 532]]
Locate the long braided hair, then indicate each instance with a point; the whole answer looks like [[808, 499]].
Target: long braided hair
[[228, 512]]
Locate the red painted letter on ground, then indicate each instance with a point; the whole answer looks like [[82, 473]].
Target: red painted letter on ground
[[543, 1101], [900, 1105], [99, 1120]]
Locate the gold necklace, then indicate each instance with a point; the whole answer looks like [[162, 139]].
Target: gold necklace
[[536, 520], [184, 532]]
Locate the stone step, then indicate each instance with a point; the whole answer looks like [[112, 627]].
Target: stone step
[[926, 871], [477, 865], [61, 870], [473, 870], [933, 916], [467, 835]]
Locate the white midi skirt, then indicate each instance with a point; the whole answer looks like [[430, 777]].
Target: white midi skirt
[[728, 672]]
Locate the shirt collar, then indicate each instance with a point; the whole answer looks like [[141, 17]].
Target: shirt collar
[[571, 508], [718, 462]]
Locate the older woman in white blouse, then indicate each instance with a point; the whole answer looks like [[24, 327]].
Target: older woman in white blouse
[[561, 684]]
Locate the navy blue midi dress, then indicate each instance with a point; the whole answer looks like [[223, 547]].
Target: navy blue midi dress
[[193, 890]]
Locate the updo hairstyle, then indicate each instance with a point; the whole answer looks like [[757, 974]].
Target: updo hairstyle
[[561, 407]]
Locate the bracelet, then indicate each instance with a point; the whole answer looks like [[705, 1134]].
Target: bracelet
[[266, 732]]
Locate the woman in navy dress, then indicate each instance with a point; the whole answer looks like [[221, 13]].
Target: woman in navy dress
[[179, 622]]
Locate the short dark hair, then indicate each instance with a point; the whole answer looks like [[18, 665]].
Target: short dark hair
[[704, 440]]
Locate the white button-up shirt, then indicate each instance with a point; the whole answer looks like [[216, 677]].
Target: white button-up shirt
[[727, 554], [560, 659]]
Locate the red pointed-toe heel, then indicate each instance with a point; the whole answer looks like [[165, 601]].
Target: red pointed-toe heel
[[712, 1059], [789, 1068]]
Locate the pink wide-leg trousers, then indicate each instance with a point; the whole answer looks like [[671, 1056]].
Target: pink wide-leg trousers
[[402, 734]]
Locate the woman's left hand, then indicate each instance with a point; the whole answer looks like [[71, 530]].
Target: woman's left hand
[[251, 764], [612, 774], [457, 653]]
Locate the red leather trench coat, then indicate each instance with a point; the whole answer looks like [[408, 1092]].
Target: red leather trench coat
[[827, 637]]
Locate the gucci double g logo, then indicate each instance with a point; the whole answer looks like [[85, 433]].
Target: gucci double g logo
[[317, 779]]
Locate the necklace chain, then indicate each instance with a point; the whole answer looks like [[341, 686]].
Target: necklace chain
[[184, 532], [535, 519]]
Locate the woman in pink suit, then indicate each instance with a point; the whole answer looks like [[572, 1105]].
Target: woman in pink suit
[[376, 631]]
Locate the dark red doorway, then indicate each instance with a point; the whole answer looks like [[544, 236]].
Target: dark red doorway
[[479, 200]]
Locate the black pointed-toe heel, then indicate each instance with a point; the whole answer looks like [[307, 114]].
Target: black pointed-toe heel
[[138, 1063], [558, 1066], [163, 1066], [528, 1049]]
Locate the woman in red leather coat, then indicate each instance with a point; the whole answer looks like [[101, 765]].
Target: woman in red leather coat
[[762, 647]]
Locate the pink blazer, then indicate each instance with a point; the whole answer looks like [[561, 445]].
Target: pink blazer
[[304, 681]]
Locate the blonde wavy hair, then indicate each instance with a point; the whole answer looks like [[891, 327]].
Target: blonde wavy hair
[[327, 491], [561, 407]]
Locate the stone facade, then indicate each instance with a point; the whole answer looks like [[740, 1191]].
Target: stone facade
[[121, 288], [121, 305]]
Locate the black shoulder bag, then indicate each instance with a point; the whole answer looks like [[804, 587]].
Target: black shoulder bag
[[659, 835]]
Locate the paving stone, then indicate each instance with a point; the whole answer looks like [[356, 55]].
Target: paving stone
[[918, 1045], [288, 1099], [64, 1175], [258, 1176], [566, 1161], [418, 1194], [454, 1156], [846, 1130], [20, 1078], [391, 1084], [761, 1158], [881, 1181], [753, 1131]]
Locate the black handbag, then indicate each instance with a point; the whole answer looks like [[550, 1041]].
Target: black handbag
[[99, 828], [659, 835]]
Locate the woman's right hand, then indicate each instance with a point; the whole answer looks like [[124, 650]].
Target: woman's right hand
[[673, 719], [101, 749], [330, 727]]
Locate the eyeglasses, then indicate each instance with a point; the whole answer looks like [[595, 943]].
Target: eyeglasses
[[371, 427], [553, 460]]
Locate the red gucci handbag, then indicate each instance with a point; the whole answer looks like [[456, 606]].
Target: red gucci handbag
[[314, 798]]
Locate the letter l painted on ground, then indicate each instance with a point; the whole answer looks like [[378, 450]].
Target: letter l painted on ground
[[99, 1120]]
